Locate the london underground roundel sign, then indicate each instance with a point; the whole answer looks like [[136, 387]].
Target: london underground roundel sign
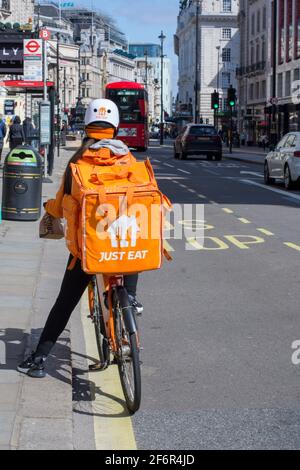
[[32, 47]]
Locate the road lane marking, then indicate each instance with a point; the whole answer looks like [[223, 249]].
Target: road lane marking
[[167, 164], [212, 172], [170, 178], [183, 171], [157, 161], [228, 211], [220, 245], [293, 246], [265, 232], [274, 190], [192, 191], [253, 173], [202, 196], [244, 221], [168, 226], [112, 424]]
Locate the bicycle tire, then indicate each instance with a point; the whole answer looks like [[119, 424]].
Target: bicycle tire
[[101, 340], [132, 389]]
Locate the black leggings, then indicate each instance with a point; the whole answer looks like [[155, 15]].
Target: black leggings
[[73, 286]]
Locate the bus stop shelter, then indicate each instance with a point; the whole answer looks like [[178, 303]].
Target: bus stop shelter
[[33, 92]]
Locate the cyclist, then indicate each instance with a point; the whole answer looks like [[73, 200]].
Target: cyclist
[[99, 133]]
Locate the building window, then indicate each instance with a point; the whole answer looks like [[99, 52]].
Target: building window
[[263, 50], [296, 75], [253, 24], [227, 6], [226, 54], [251, 91], [280, 85], [257, 53], [226, 79], [258, 22], [226, 33], [264, 25], [264, 89], [288, 84], [257, 88]]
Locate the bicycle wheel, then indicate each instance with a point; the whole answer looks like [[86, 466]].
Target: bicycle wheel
[[128, 349], [97, 316]]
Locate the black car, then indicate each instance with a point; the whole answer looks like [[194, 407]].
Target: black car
[[198, 139]]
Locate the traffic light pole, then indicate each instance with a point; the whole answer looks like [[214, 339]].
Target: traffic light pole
[[231, 129]]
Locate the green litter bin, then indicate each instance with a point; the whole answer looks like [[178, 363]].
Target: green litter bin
[[22, 184]]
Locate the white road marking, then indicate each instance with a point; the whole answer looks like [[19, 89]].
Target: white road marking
[[253, 173], [274, 190], [228, 211], [167, 164], [183, 171]]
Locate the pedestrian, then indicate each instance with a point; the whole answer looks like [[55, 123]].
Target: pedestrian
[[243, 139], [16, 133], [63, 134], [29, 130], [3, 130], [100, 132]]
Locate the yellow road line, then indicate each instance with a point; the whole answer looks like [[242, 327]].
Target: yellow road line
[[228, 211], [293, 246], [167, 246], [112, 423], [265, 232], [244, 221]]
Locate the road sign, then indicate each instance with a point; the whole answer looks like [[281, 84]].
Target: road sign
[[45, 34], [45, 123], [33, 60], [9, 107], [32, 47]]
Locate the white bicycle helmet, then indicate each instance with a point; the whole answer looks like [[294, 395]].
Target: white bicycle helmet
[[102, 111]]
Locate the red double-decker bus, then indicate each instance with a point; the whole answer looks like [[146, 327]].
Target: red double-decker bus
[[132, 101]]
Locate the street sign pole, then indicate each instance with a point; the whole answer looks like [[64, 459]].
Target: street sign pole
[[45, 73], [231, 129]]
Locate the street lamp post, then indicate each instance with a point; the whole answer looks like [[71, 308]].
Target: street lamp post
[[274, 84], [162, 37], [146, 66], [197, 63], [218, 84], [58, 97]]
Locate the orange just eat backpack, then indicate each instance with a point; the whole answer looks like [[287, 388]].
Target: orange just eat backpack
[[115, 215]]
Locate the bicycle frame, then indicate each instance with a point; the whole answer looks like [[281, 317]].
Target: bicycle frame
[[108, 317]]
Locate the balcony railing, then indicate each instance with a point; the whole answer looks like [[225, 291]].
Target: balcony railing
[[251, 69]]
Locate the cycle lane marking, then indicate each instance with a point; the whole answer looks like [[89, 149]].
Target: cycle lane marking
[[292, 245], [113, 427]]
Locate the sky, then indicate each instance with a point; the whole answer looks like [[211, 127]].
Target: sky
[[143, 20]]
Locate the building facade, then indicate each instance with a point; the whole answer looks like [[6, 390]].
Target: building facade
[[287, 66], [254, 73], [21, 11], [214, 67], [153, 53]]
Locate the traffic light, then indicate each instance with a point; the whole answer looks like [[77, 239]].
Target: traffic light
[[231, 97], [215, 100]]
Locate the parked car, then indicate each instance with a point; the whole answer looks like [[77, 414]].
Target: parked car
[[283, 161], [198, 139]]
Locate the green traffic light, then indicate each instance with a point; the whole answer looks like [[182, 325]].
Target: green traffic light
[[216, 106], [232, 103]]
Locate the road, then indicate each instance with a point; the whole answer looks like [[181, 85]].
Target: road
[[218, 325]]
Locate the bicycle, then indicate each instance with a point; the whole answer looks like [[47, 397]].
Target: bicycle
[[117, 335]]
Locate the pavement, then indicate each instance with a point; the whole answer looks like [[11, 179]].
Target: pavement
[[217, 332], [30, 273], [254, 155]]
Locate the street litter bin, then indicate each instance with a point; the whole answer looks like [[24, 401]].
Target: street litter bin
[[22, 184]]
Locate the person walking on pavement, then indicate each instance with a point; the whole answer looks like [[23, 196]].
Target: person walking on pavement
[[101, 132], [16, 134], [29, 130], [3, 130]]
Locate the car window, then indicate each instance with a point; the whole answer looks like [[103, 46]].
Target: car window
[[202, 131], [290, 142], [282, 142]]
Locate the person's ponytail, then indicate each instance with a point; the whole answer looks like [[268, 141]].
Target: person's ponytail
[[86, 144]]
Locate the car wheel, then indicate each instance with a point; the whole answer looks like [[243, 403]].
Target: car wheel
[[267, 178], [209, 158], [288, 183], [219, 157]]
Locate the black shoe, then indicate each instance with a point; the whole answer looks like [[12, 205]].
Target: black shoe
[[137, 306], [26, 365], [34, 366]]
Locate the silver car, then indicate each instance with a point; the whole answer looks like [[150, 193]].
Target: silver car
[[283, 162]]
